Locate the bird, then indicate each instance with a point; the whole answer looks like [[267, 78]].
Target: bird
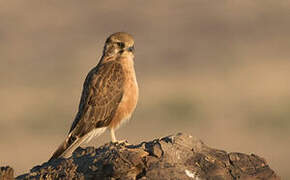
[[109, 96]]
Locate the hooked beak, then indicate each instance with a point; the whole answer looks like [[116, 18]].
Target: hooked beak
[[131, 49]]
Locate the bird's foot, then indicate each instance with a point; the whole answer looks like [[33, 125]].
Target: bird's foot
[[121, 142]]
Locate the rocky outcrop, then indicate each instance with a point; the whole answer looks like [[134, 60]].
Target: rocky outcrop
[[173, 157]]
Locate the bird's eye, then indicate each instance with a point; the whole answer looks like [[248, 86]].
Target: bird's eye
[[121, 45]]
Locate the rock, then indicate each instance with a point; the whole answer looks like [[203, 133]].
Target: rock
[[178, 156]]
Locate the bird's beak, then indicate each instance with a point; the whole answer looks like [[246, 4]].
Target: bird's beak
[[131, 49]]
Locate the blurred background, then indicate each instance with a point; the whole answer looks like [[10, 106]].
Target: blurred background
[[218, 70]]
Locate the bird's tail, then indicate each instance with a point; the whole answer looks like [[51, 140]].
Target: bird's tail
[[66, 147], [72, 142]]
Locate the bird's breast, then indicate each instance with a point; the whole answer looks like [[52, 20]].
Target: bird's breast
[[130, 95]]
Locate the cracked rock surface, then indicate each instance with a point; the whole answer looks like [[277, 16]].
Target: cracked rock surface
[[178, 156]]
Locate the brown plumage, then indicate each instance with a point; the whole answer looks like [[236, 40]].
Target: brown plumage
[[109, 96]]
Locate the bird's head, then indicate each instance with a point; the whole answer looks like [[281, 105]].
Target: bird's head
[[119, 43]]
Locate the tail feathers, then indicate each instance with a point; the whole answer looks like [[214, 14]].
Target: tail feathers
[[66, 147], [72, 142]]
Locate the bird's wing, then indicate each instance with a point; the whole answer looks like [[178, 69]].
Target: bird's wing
[[102, 93]]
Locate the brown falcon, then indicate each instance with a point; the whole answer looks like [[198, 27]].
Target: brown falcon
[[109, 96]]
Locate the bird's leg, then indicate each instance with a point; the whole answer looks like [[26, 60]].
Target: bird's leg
[[113, 135], [114, 140]]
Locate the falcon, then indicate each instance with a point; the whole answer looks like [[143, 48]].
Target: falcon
[[109, 96]]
